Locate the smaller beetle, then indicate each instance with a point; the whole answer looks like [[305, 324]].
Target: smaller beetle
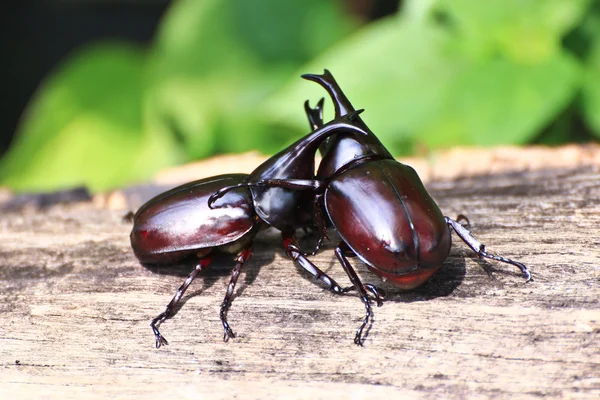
[[380, 208], [180, 224]]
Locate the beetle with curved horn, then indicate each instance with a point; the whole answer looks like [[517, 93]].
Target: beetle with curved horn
[[381, 209]]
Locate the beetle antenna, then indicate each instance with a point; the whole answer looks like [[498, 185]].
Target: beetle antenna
[[479, 248], [293, 184]]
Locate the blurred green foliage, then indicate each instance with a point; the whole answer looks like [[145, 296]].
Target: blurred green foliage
[[223, 76]]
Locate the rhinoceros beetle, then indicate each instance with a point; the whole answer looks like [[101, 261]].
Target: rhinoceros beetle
[[180, 223], [379, 207]]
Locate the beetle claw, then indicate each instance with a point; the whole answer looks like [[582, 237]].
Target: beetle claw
[[460, 218], [128, 217], [377, 292], [228, 335], [358, 340], [160, 340]]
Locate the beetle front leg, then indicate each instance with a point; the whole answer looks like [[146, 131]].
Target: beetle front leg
[[241, 260], [479, 248], [320, 225], [340, 252], [294, 184], [378, 293], [320, 221], [169, 310]]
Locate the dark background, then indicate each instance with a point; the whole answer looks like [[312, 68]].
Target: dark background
[[36, 35]]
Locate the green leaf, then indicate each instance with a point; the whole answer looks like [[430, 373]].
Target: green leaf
[[398, 70], [215, 60], [418, 88], [525, 31], [500, 102], [591, 81], [85, 126]]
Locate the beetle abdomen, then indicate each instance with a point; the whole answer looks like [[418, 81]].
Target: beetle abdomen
[[383, 212], [179, 222]]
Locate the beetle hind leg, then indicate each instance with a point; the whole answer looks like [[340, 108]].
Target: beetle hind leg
[[479, 248], [170, 309], [341, 251], [241, 260]]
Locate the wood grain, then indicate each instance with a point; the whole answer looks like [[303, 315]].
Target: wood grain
[[76, 307]]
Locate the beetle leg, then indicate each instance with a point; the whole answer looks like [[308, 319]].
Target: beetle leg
[[169, 310], [378, 293], [479, 248], [320, 226], [358, 285], [242, 258], [128, 217], [295, 253], [320, 221], [462, 217]]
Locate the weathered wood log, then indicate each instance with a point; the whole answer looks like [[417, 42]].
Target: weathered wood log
[[76, 307]]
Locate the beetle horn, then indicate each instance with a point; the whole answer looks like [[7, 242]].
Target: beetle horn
[[315, 115], [340, 101]]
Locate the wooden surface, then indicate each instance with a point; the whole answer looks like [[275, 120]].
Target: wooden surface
[[76, 307]]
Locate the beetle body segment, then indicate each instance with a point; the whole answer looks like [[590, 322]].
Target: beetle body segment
[[179, 222], [384, 214]]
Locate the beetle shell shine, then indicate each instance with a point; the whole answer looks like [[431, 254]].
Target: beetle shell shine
[[179, 221], [383, 212]]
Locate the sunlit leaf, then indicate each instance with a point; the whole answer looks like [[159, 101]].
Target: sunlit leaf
[[399, 71], [502, 102], [591, 81], [215, 60], [524, 31], [85, 126]]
